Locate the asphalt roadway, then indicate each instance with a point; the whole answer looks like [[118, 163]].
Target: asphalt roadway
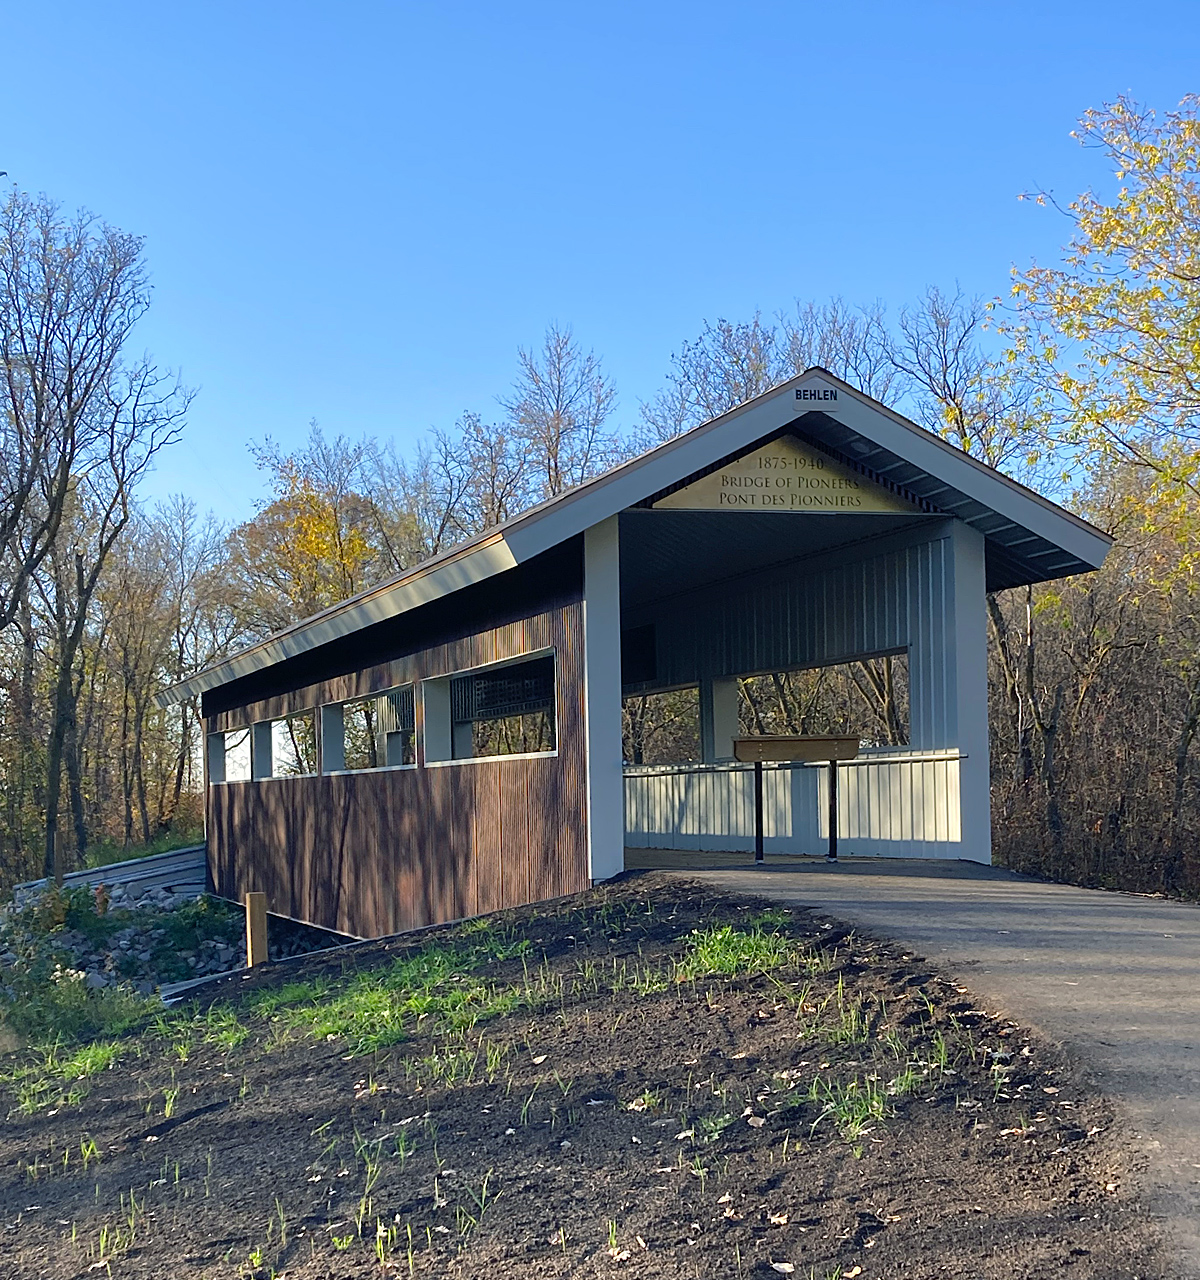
[[1114, 978]]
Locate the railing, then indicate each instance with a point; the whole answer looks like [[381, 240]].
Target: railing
[[890, 803]]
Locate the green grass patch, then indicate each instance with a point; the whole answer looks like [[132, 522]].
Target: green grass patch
[[853, 1109], [55, 1076], [433, 990], [49, 1004], [728, 951]]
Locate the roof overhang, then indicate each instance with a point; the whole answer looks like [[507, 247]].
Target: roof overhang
[[1028, 538]]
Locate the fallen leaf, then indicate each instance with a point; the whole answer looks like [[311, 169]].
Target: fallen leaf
[[755, 1122], [1050, 1089], [784, 1268], [537, 1062], [731, 1212], [777, 1219], [725, 1199]]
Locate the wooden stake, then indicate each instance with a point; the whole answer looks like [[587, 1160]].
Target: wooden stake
[[256, 928]]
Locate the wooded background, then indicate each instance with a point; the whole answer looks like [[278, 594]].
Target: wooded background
[[1083, 382]]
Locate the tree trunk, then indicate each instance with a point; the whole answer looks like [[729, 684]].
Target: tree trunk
[[1010, 671], [139, 776], [75, 788], [54, 863], [1174, 870]]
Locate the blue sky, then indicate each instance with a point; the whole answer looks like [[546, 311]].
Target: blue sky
[[356, 212]]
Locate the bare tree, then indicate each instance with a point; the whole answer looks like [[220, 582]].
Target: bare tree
[[731, 363], [851, 342], [980, 403], [71, 290], [559, 405], [140, 412], [726, 365]]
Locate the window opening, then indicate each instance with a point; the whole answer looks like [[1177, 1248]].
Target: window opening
[[505, 711], [293, 746], [661, 728], [380, 731], [868, 697], [237, 755]]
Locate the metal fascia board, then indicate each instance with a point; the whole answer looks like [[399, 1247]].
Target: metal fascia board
[[421, 588]]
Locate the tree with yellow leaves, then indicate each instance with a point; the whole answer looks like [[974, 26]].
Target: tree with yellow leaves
[[317, 541], [1113, 335]]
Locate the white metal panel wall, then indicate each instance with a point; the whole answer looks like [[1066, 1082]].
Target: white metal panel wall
[[899, 804], [896, 599]]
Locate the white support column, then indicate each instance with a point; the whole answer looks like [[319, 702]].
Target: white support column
[[261, 764], [966, 660], [724, 717], [718, 718], [434, 715], [333, 739], [216, 758], [602, 700]]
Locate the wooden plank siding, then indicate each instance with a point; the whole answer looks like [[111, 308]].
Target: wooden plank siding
[[379, 852]]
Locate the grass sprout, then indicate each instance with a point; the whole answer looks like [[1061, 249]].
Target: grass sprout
[[727, 951]]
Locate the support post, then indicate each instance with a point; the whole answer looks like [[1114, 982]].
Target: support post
[[216, 757], [967, 661], [602, 699], [261, 763], [256, 929], [333, 738], [758, 812], [718, 718], [831, 856]]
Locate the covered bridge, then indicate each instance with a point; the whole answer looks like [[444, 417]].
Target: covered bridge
[[450, 742]]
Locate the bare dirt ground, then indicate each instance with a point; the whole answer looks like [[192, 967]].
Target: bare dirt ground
[[657, 1079]]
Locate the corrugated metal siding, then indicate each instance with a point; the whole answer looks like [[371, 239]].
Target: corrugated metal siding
[[891, 601], [379, 852], [906, 806]]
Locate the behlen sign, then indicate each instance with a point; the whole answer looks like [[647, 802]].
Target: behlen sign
[[786, 475], [816, 393]]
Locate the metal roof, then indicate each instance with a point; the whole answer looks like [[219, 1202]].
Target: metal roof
[[1028, 537]]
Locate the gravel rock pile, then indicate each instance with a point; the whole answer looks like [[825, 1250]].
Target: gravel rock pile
[[138, 940]]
